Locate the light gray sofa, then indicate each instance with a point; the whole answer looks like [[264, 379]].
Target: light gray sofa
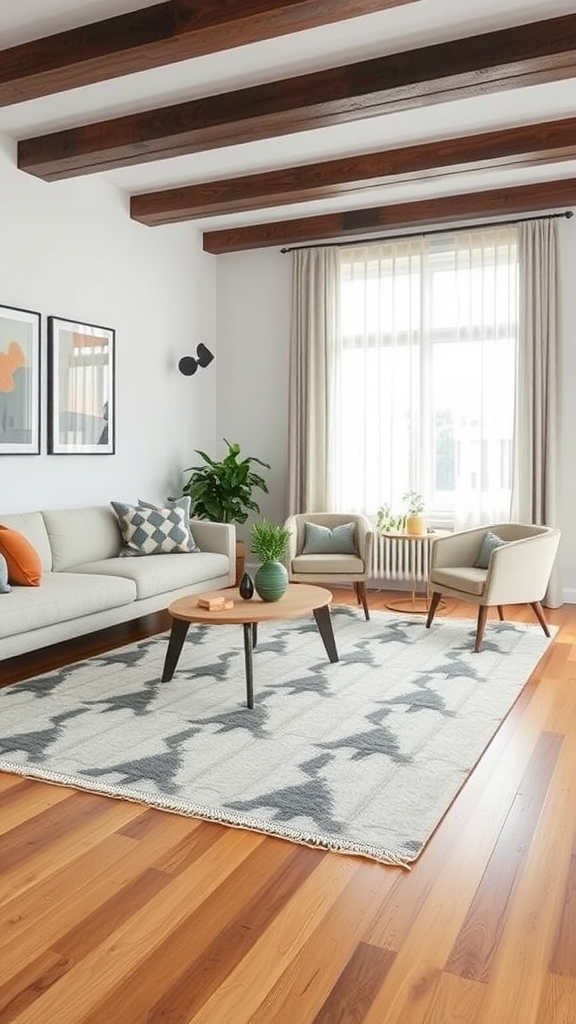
[[87, 586]]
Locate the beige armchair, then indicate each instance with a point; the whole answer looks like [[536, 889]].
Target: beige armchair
[[330, 551], [517, 572]]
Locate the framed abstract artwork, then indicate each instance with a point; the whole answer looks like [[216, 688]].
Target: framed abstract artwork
[[81, 388], [19, 381]]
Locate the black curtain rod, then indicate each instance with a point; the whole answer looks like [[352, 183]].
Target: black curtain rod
[[424, 234]]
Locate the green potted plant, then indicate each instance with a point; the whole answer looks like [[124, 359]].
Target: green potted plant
[[222, 490], [387, 521], [415, 522], [268, 541]]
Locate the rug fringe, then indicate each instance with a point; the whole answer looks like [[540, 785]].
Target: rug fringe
[[382, 856]]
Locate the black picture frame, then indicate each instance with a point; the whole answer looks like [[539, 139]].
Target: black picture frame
[[81, 388], [20, 356]]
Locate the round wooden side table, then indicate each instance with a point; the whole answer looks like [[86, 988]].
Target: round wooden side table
[[417, 603]]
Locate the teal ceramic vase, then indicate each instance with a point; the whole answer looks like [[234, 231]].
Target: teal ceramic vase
[[271, 581]]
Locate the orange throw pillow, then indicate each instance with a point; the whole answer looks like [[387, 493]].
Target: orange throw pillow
[[24, 564]]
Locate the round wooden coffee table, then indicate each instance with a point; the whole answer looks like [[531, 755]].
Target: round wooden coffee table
[[300, 599]]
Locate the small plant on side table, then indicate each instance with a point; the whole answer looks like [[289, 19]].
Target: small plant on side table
[[414, 503], [415, 522]]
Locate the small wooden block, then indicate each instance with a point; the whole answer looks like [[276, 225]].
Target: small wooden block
[[212, 604]]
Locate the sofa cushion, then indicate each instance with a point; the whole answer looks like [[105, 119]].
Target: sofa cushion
[[156, 575], [62, 596], [32, 526], [336, 565], [23, 561], [468, 580], [81, 535]]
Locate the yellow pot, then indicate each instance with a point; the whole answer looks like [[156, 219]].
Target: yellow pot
[[415, 525]]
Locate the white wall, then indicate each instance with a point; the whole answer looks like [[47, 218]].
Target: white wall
[[70, 249], [253, 292], [253, 324]]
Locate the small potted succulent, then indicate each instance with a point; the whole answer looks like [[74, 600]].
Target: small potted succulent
[[268, 541]]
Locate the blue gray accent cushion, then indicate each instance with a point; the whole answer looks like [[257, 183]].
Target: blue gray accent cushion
[[489, 544], [321, 540], [153, 531], [184, 503], [4, 585]]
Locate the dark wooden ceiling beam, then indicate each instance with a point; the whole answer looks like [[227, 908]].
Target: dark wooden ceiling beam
[[527, 145], [502, 202], [162, 34], [494, 61]]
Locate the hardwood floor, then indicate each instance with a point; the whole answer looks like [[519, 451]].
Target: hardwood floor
[[112, 913]]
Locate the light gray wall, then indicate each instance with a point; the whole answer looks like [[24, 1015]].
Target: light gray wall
[[253, 324], [253, 292], [70, 249]]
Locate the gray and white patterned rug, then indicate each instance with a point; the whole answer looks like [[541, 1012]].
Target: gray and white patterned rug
[[363, 756]]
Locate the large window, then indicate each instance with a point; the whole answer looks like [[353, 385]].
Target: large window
[[424, 374]]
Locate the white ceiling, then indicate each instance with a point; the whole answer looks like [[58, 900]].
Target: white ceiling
[[407, 27]]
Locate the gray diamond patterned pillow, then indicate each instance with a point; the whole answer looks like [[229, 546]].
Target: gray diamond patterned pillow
[[153, 531], [184, 503]]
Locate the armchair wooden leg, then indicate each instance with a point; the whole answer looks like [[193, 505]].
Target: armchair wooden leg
[[360, 588], [433, 606], [540, 616], [500, 612], [482, 616]]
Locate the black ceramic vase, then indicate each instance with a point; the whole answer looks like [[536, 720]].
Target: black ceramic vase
[[246, 588]]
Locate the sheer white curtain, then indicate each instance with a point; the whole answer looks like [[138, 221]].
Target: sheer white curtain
[[424, 375], [485, 281], [377, 379]]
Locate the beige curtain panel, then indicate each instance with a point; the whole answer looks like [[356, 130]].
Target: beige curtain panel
[[315, 303], [536, 481]]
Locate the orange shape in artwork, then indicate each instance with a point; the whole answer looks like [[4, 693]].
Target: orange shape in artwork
[[10, 361]]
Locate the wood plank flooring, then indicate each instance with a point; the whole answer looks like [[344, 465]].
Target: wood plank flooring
[[113, 913]]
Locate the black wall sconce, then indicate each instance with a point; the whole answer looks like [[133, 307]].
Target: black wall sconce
[[188, 364]]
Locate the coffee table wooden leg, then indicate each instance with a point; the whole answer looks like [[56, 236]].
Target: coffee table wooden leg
[[324, 623], [248, 638], [175, 645]]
